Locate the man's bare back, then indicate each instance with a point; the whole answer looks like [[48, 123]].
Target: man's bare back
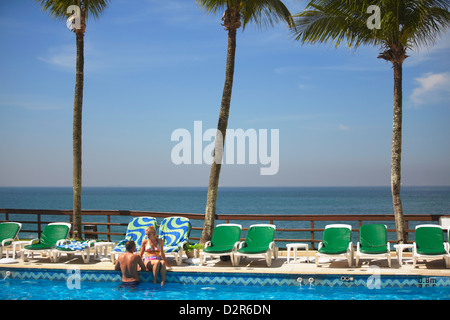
[[128, 263]]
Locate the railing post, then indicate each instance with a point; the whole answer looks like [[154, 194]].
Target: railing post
[[39, 225], [108, 227], [407, 232], [312, 235]]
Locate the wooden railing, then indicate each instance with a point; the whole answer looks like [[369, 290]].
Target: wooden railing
[[289, 226]]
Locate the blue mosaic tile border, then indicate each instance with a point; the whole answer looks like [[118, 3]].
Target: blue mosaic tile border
[[245, 279]]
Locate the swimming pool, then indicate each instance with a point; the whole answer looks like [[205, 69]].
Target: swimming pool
[[14, 289], [73, 284]]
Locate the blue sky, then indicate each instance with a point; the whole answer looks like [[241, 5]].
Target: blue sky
[[155, 66]]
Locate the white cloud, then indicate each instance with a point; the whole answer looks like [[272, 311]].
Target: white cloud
[[302, 86], [62, 56], [342, 127], [433, 87]]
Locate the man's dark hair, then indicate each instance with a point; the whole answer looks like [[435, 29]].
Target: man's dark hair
[[130, 246]]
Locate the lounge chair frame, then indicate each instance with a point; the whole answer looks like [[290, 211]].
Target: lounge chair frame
[[272, 250], [231, 253], [44, 252], [347, 255], [4, 244], [85, 252], [362, 255], [417, 256], [178, 254]]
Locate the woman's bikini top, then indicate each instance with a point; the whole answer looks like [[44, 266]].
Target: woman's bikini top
[[152, 251]]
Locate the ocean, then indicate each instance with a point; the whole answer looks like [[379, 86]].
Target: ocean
[[233, 200]]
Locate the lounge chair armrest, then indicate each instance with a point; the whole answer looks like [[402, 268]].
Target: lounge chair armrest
[[207, 244], [241, 244], [320, 246], [236, 246], [181, 244], [358, 246], [272, 245], [33, 241], [62, 241], [350, 247], [6, 240]]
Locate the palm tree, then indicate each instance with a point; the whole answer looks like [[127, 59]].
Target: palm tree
[[237, 13], [59, 9], [404, 24]]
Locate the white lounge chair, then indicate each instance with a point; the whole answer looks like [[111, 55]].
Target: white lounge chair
[[336, 243], [259, 241], [70, 247], [429, 244], [175, 231], [224, 242], [373, 243], [9, 232], [52, 235]]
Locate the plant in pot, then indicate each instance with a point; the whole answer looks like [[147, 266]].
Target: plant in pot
[[192, 249]]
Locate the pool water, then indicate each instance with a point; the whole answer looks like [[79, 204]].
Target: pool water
[[16, 289]]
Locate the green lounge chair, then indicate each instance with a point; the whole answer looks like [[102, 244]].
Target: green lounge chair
[[429, 244], [69, 247], [259, 241], [52, 235], [224, 242], [175, 231], [373, 243], [8, 233], [135, 232], [336, 243]]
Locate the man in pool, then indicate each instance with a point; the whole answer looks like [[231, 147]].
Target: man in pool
[[128, 263]]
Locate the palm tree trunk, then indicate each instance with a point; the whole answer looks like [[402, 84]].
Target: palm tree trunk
[[216, 165], [77, 116], [397, 153]]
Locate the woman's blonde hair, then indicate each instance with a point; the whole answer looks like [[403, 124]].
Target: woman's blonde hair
[[150, 229]]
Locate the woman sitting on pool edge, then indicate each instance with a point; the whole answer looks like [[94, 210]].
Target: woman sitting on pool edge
[[153, 255]]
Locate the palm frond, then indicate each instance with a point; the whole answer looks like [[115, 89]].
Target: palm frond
[[406, 23], [58, 8], [330, 21], [423, 22], [94, 8], [213, 6], [263, 13]]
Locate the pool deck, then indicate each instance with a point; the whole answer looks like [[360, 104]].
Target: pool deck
[[258, 265]]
